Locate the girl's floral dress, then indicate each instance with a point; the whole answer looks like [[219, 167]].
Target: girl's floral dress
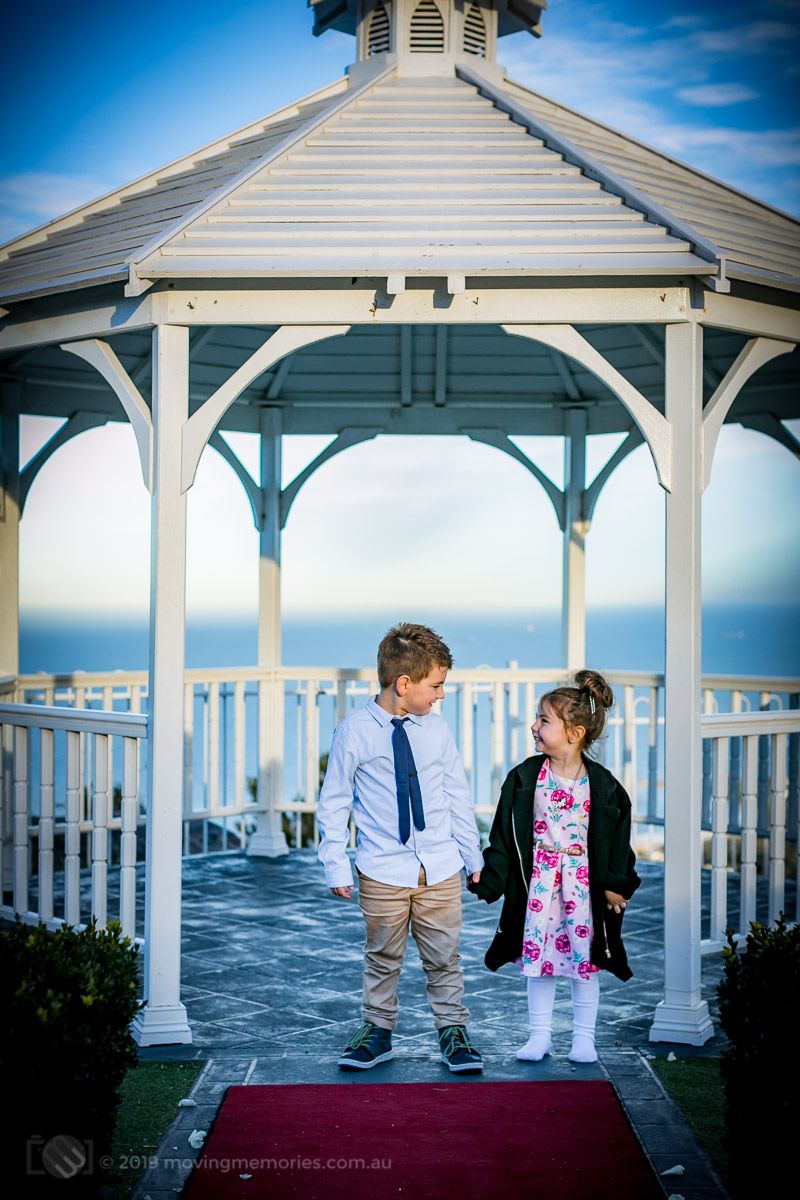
[[558, 922]]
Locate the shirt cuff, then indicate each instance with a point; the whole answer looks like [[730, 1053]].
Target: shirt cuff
[[473, 864], [340, 876]]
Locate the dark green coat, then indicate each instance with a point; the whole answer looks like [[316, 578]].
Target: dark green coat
[[508, 863]]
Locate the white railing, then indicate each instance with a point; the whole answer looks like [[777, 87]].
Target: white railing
[[231, 736], [67, 813], [763, 749], [245, 753]]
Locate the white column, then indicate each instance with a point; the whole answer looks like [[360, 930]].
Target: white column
[[163, 1021], [573, 613], [268, 840], [9, 533], [682, 1016]]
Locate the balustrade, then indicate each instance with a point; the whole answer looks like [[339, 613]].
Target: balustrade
[[60, 806], [255, 740]]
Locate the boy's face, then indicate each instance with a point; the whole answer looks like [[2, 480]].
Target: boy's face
[[417, 698]]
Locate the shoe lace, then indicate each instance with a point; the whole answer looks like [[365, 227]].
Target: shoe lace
[[363, 1035], [455, 1038]]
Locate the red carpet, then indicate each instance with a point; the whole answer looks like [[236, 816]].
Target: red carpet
[[430, 1141]]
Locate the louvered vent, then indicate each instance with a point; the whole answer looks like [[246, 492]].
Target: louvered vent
[[475, 33], [427, 29], [378, 36]]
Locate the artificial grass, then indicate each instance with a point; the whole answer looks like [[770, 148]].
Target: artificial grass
[[150, 1095], [696, 1086]]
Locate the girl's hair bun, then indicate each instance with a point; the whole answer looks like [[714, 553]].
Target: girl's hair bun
[[597, 686]]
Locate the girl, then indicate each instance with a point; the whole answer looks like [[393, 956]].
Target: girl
[[559, 852]]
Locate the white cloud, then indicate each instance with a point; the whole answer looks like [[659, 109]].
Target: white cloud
[[717, 95], [32, 197]]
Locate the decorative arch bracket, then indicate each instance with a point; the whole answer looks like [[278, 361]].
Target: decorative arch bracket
[[100, 355], [79, 422], [501, 441], [653, 425], [755, 354], [347, 438], [258, 495], [198, 429]]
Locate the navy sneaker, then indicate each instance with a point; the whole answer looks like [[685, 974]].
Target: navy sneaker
[[458, 1053], [370, 1046]]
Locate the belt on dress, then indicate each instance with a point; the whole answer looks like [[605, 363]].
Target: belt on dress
[[573, 853]]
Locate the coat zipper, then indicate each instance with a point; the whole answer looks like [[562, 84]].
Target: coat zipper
[[605, 938]]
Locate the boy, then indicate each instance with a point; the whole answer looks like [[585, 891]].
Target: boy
[[395, 764]]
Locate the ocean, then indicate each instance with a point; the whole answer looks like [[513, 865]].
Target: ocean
[[737, 640]]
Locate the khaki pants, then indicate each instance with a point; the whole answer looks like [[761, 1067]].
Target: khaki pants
[[434, 916]]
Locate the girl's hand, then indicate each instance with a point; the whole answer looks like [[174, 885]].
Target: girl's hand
[[615, 901], [343, 892]]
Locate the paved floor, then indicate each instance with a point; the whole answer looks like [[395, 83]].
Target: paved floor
[[272, 968]]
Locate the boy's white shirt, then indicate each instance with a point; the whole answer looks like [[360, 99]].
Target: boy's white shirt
[[360, 777]]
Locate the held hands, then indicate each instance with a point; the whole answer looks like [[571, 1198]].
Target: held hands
[[344, 893], [615, 901], [475, 877]]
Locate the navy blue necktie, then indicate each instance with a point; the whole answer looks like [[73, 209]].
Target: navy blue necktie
[[408, 790]]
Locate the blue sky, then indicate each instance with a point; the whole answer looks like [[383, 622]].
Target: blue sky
[[107, 93]]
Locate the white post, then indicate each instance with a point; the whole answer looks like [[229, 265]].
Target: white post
[[573, 611], [9, 583], [163, 1021], [682, 1016], [269, 840], [9, 534]]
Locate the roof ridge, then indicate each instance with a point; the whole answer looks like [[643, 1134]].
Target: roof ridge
[[136, 285], [678, 162], [609, 179], [75, 215]]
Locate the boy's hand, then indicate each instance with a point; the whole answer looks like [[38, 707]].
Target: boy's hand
[[344, 893], [475, 877], [615, 901]]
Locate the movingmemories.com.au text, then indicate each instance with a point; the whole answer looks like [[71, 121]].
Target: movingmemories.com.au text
[[288, 1164]]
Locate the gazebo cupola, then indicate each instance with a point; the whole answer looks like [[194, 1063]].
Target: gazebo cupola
[[426, 37]]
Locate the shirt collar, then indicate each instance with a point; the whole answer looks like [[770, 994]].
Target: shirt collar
[[383, 717]]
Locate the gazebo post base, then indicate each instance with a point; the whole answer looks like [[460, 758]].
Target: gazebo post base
[[267, 842], [161, 1025], [689, 1025]]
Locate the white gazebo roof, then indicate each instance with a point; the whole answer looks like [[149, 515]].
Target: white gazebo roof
[[412, 176]]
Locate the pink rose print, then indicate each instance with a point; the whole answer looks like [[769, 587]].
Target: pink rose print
[[569, 907], [586, 806], [528, 950], [582, 874], [559, 796], [575, 849], [552, 861], [543, 774], [535, 873], [562, 943], [547, 968], [535, 905], [568, 803], [556, 878], [540, 827], [582, 931], [534, 954], [584, 970]]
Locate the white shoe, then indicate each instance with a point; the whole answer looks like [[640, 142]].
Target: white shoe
[[535, 1049], [583, 1049]]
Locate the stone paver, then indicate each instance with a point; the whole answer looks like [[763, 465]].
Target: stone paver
[[272, 984]]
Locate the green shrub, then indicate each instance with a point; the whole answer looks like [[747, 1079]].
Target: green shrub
[[759, 1002], [65, 1044]]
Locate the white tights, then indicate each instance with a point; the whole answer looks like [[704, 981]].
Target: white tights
[[585, 1001]]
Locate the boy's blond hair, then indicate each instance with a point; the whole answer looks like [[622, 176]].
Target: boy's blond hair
[[412, 650]]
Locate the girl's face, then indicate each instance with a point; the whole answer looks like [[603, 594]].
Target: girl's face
[[550, 733]]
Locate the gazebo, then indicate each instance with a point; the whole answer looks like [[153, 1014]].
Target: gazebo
[[422, 247]]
